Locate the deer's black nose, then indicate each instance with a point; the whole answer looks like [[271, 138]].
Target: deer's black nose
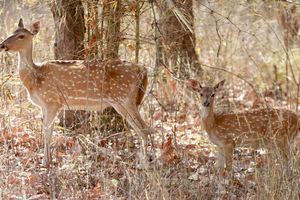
[[206, 103]]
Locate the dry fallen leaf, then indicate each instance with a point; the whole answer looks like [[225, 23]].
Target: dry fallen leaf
[[169, 155], [95, 192]]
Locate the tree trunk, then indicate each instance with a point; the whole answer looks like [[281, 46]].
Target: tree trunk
[[92, 30], [289, 21], [69, 43], [112, 15], [176, 24]]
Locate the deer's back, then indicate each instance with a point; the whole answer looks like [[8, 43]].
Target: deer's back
[[79, 82], [257, 125]]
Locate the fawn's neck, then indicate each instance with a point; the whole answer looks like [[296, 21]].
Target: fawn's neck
[[207, 116], [25, 59]]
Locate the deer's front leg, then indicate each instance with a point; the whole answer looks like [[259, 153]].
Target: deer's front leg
[[229, 147], [47, 132], [49, 114], [221, 154], [220, 163], [224, 158]]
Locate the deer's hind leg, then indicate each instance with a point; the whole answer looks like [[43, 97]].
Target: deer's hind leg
[[283, 151], [131, 114], [133, 117]]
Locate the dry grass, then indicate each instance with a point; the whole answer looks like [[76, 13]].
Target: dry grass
[[89, 165], [97, 164]]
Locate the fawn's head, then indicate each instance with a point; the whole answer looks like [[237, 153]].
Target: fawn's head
[[207, 93], [21, 39]]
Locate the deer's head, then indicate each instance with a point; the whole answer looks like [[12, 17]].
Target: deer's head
[[207, 93], [21, 39]]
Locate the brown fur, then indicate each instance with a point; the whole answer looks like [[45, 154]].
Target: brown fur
[[75, 84], [272, 128], [69, 77]]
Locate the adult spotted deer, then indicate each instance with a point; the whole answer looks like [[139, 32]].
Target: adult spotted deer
[[273, 128], [77, 84]]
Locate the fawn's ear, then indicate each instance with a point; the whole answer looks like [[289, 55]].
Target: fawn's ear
[[219, 85], [35, 27], [20, 24], [194, 85]]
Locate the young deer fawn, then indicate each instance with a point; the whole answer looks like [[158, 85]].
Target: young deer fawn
[[275, 128], [77, 84]]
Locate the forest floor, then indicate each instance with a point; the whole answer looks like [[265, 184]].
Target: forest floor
[[92, 166]]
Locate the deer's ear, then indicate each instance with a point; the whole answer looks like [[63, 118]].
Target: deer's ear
[[194, 85], [20, 24], [219, 85], [35, 27]]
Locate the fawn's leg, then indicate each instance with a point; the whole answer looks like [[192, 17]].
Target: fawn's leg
[[224, 157], [229, 148], [49, 114], [221, 154], [220, 163], [284, 153]]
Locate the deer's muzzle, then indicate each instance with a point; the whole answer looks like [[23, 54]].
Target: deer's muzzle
[[206, 104], [3, 47]]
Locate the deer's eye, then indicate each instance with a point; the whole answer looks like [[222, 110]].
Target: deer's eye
[[21, 36], [212, 95], [201, 94]]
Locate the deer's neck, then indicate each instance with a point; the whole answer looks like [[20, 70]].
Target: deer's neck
[[208, 118], [25, 59]]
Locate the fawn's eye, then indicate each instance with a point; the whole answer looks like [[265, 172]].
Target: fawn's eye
[[212, 95], [201, 94], [21, 36]]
